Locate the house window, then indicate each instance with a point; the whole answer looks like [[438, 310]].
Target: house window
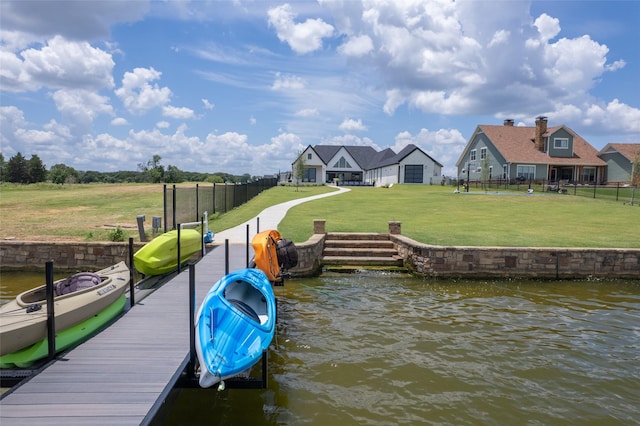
[[472, 156], [342, 164], [413, 173], [589, 175], [483, 153], [309, 156], [309, 175], [526, 172], [561, 143]]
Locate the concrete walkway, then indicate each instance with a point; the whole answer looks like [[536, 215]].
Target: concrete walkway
[[269, 219]]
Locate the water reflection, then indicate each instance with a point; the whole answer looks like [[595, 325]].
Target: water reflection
[[390, 349]]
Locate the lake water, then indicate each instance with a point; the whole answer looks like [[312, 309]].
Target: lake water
[[381, 349]]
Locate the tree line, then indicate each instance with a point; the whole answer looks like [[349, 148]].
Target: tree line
[[20, 170]]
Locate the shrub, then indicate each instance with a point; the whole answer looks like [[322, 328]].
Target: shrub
[[117, 235]]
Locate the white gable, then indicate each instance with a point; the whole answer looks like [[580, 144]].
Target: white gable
[[343, 161], [311, 158]]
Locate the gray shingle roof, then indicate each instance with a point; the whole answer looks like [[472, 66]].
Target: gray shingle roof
[[367, 157]]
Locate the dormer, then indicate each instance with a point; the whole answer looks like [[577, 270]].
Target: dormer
[[560, 143]]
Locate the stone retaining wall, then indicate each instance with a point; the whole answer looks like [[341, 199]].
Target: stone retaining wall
[[32, 255], [309, 257], [517, 262], [422, 259], [488, 262]]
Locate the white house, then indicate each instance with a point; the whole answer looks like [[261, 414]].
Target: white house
[[363, 165]]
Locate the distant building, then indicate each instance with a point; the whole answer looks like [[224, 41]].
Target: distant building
[[539, 153], [620, 159], [363, 165]]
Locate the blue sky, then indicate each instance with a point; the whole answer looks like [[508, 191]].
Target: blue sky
[[243, 86]]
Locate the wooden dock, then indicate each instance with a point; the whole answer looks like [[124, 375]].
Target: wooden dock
[[122, 375]]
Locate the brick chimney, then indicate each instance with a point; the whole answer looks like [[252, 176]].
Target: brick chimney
[[508, 122], [541, 129]]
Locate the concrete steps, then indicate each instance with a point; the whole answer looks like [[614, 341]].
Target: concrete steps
[[360, 249]]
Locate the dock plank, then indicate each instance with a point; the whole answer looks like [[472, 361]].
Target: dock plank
[[120, 375]]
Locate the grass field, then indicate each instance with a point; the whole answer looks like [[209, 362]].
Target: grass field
[[435, 215], [430, 214]]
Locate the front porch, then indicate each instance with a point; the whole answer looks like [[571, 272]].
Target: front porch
[[572, 175]]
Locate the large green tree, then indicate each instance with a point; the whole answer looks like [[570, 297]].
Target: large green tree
[[3, 166], [153, 170], [61, 174], [173, 175], [37, 170], [17, 169]]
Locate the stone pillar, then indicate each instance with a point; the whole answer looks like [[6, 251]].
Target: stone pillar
[[318, 226], [394, 227]]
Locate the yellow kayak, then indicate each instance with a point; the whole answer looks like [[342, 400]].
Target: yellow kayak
[[160, 255]]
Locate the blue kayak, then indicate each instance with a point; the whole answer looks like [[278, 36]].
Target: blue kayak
[[234, 325]]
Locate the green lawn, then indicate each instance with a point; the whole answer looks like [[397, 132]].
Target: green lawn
[[429, 214], [435, 215]]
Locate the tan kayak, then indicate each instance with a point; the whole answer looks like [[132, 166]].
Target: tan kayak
[[23, 321]]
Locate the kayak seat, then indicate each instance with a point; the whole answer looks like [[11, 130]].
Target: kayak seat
[[77, 282], [245, 309]]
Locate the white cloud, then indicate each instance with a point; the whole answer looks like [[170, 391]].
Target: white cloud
[[615, 116], [60, 64], [547, 26], [443, 145], [177, 112], [283, 82], [619, 64], [119, 121], [499, 37], [163, 124], [351, 125], [252, 121], [137, 95], [207, 104], [352, 140], [307, 112], [356, 46], [303, 37], [574, 64], [81, 107]]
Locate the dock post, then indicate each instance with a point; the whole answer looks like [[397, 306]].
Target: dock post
[[191, 368], [51, 318], [226, 256], [179, 226], [247, 249], [132, 298]]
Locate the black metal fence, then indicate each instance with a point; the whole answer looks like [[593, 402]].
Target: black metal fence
[[617, 192], [188, 204]]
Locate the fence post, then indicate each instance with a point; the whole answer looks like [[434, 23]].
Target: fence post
[[164, 197], [197, 201], [51, 317], [174, 206]]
